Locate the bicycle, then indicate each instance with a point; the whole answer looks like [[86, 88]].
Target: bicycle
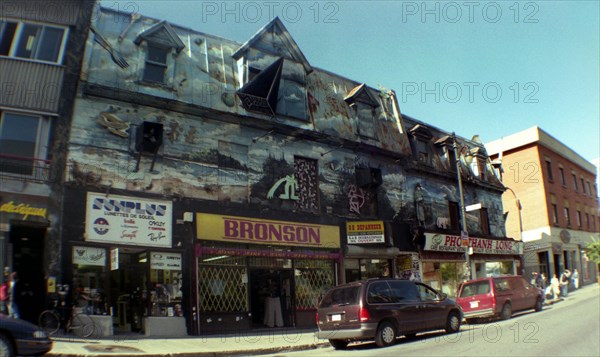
[[53, 319]]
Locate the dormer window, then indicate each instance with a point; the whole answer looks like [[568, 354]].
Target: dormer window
[[160, 40], [156, 64], [364, 104], [421, 144]]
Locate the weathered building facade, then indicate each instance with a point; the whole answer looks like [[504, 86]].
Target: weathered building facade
[[41, 47], [218, 186]]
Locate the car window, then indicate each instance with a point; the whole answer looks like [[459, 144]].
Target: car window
[[477, 288], [426, 293], [380, 293], [404, 291], [502, 284], [341, 296]]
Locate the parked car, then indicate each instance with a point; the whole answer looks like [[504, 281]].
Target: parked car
[[382, 310], [22, 338], [498, 296]]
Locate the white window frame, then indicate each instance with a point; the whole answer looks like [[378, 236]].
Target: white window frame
[[19, 31], [166, 65]]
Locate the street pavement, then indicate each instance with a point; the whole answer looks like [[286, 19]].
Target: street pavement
[[243, 343]]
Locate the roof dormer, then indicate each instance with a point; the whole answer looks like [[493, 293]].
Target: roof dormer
[[161, 34]]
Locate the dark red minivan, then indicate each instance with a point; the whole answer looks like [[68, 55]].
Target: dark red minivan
[[383, 309], [498, 296]]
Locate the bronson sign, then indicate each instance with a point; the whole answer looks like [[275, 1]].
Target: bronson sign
[[261, 231]]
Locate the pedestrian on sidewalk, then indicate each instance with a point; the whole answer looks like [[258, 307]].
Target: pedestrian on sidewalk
[[564, 282], [553, 288], [15, 293], [575, 278]]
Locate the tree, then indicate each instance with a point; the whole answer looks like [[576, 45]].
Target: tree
[[592, 251]]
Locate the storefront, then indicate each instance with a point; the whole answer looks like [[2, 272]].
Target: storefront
[[254, 273], [23, 246], [126, 274], [368, 252], [562, 249], [444, 260]]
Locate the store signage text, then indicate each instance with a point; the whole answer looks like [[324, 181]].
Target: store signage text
[[165, 261], [450, 243], [365, 232], [128, 220], [262, 231], [23, 209], [89, 256]]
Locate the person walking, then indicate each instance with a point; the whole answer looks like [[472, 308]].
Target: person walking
[[15, 292], [575, 277], [565, 277]]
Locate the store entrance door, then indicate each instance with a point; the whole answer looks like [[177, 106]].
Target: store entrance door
[[271, 297], [128, 290], [28, 262]]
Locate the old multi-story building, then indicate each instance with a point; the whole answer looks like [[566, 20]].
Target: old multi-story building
[[215, 186], [555, 199], [41, 47]]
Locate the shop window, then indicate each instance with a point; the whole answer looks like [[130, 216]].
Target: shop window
[[313, 278], [222, 288], [23, 140], [165, 282], [89, 280], [32, 41]]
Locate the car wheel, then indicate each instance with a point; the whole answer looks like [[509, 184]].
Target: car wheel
[[6, 347], [338, 344], [453, 323], [506, 312], [385, 335], [539, 304]]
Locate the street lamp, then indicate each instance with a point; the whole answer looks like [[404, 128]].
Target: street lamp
[[464, 234]]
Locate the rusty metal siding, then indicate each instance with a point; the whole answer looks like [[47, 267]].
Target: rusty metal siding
[[30, 85]]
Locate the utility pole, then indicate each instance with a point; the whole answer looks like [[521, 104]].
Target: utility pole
[[464, 234]]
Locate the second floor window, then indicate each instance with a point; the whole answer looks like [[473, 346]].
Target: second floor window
[[554, 213], [19, 142], [549, 168], [562, 176], [32, 41], [484, 221], [575, 183]]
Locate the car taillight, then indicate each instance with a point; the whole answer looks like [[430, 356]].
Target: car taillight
[[364, 314]]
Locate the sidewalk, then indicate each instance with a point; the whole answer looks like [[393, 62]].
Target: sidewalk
[[244, 343]]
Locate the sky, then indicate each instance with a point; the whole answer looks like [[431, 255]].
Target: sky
[[487, 68]]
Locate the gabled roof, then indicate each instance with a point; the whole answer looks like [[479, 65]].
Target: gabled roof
[[274, 38], [421, 131], [163, 34], [361, 94]]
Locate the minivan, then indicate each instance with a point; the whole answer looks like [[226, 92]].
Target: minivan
[[383, 309], [498, 297]]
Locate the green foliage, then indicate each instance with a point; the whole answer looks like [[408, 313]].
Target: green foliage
[[592, 250]]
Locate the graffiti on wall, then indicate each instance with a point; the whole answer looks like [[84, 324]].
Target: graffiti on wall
[[290, 185]]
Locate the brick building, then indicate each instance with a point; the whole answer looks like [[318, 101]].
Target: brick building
[[552, 200]]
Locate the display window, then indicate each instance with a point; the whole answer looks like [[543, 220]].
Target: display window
[[89, 280]]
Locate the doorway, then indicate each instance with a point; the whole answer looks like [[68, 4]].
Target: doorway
[[128, 290], [266, 284], [28, 262]]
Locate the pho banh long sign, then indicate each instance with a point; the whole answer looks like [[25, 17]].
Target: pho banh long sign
[[451, 243], [264, 231]]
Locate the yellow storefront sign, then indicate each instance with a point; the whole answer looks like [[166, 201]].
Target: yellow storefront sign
[[365, 232], [263, 231], [23, 209]]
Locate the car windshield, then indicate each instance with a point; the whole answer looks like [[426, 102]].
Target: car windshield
[[341, 296], [478, 288]]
